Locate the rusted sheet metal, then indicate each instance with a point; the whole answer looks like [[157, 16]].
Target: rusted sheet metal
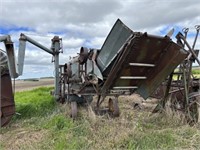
[[7, 104], [7, 99], [173, 56], [176, 89], [143, 63], [118, 65]]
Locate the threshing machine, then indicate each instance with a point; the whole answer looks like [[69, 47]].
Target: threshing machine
[[128, 62]]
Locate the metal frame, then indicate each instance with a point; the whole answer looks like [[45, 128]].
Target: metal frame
[[185, 85], [55, 50], [132, 69]]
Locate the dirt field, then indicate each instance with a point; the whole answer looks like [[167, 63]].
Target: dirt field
[[24, 85]]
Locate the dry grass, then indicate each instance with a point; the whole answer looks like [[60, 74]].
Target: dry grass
[[136, 128], [22, 138]]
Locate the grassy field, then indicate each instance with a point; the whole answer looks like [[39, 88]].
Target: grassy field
[[195, 73], [41, 123]]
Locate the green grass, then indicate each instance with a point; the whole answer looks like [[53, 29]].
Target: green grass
[[37, 102], [151, 140], [196, 71], [45, 124]]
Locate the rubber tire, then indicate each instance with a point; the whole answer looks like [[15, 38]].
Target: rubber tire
[[113, 107], [74, 110]]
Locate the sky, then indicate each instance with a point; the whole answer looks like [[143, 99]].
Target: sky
[[87, 23]]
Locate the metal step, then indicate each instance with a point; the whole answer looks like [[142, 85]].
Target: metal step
[[141, 65], [133, 77], [125, 87]]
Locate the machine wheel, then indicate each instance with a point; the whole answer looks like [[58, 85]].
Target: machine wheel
[[113, 107], [7, 100], [74, 109], [194, 107]]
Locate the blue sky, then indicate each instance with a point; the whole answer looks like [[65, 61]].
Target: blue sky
[[7, 30], [87, 23]]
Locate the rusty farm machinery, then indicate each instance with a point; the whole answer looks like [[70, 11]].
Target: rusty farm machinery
[[184, 89], [11, 68], [128, 62]]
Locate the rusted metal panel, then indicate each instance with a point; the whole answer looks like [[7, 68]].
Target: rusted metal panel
[[7, 99], [168, 62], [152, 58], [7, 104], [118, 65]]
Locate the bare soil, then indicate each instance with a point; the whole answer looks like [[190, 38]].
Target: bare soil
[[24, 85]]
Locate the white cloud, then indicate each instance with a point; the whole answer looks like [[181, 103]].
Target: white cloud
[[72, 42], [87, 23]]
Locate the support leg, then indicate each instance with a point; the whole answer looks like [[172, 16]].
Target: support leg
[[161, 105]]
